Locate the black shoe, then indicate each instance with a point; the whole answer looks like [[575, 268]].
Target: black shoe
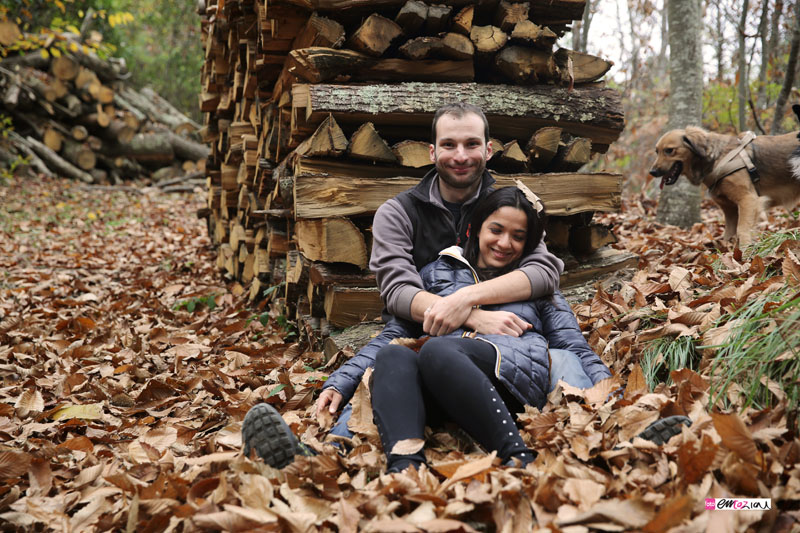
[[663, 429], [264, 431]]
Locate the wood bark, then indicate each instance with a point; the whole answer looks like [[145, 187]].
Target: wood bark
[[317, 65], [404, 109], [56, 162], [788, 80]]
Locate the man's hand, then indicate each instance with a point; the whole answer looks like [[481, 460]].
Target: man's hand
[[329, 396], [447, 314], [497, 323]]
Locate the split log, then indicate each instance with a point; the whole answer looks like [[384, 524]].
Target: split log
[[437, 18], [328, 141], [54, 161], [375, 35], [509, 14], [320, 31], [411, 17], [421, 47], [586, 240], [488, 39], [512, 159], [572, 154], [331, 240], [527, 33], [415, 154], [543, 146], [341, 274], [366, 143], [317, 195], [527, 65], [316, 65], [345, 306], [403, 110], [53, 138], [462, 22], [586, 67], [457, 46], [557, 233]]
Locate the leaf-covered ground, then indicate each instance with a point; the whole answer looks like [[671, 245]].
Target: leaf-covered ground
[[128, 364]]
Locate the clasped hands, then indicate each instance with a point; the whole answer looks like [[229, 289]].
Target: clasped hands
[[455, 310]]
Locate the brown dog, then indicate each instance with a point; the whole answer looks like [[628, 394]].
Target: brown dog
[[706, 157]]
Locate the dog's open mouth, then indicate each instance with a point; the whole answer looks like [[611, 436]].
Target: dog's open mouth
[[673, 174]]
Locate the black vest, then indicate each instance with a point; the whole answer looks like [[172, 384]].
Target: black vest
[[432, 225]]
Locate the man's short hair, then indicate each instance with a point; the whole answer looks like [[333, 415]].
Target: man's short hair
[[458, 110]]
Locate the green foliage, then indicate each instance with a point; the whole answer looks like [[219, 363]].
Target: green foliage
[[7, 173], [760, 351], [163, 49], [191, 304], [661, 356]]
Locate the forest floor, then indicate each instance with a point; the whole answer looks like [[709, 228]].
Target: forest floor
[[128, 364]]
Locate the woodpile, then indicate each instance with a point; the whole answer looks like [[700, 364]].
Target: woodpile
[[318, 111], [73, 114]]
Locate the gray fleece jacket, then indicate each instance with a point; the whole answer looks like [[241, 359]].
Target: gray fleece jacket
[[393, 241]]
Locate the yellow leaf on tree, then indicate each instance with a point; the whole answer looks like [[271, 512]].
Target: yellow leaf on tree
[[92, 411]]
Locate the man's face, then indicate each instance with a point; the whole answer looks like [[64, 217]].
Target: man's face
[[460, 155]]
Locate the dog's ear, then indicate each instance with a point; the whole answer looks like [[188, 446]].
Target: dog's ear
[[695, 140]]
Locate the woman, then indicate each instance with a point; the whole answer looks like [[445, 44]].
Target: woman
[[478, 381]]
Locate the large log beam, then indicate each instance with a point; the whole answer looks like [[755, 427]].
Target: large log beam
[[328, 195], [405, 109]]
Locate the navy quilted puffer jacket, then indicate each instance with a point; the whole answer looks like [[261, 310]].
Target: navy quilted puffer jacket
[[523, 363], [551, 317]]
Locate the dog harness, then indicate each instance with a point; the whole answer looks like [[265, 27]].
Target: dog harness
[[736, 159]]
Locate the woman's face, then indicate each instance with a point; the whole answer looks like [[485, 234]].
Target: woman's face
[[502, 237]]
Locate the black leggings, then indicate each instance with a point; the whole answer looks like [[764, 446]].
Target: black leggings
[[453, 376]]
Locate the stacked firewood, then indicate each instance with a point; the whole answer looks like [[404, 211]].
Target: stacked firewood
[[73, 114], [318, 111]]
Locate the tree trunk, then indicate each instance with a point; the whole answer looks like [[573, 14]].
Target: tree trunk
[[763, 35], [679, 204], [743, 74], [661, 62], [719, 44], [788, 81]]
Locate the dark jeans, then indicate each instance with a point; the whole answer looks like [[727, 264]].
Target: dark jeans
[[451, 376]]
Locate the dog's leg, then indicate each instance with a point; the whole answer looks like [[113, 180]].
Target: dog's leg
[[749, 211], [731, 213]]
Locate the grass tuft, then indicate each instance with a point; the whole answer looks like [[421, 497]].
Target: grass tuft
[[762, 350], [661, 356]]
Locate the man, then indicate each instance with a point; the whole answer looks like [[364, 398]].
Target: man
[[408, 233]]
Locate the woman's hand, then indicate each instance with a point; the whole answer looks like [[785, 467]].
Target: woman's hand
[[497, 323], [329, 396], [447, 314]]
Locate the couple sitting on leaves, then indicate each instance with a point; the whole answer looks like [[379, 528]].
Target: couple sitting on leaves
[[501, 334]]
